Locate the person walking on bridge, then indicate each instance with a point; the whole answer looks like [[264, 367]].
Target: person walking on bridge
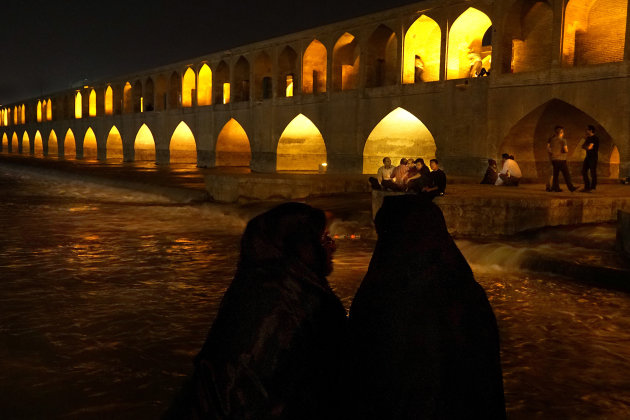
[[591, 145]]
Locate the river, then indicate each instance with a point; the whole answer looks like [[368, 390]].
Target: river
[[107, 295]]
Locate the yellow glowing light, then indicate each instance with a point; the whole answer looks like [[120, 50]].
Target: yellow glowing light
[[144, 144], [39, 111], [78, 106], [53, 148], [465, 50], [23, 114], [346, 59], [14, 143], [5, 142], [90, 148], [232, 147], [399, 135], [38, 144], [92, 104], [289, 89], [183, 147], [204, 88], [26, 147], [314, 69], [69, 145], [532, 41], [226, 93], [614, 163], [109, 101], [301, 146], [49, 110], [114, 145], [141, 104], [188, 87], [127, 99], [422, 51], [15, 115]]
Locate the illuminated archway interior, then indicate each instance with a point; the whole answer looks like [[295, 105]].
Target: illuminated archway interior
[[527, 140], [109, 101], [204, 88], [144, 144], [466, 52], [233, 147], [127, 99], [423, 45], [39, 111], [53, 148], [614, 163], [287, 69], [594, 32], [5, 142], [183, 148], [301, 146], [14, 143], [49, 110], [114, 145], [528, 38], [262, 76], [38, 144], [78, 106], [346, 58], [92, 104], [69, 145], [314, 64], [26, 147], [222, 83], [399, 135], [90, 148], [188, 87]]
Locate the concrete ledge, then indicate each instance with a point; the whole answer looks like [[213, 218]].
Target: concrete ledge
[[230, 188]]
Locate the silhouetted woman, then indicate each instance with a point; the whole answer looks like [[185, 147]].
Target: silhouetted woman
[[424, 339], [275, 348]]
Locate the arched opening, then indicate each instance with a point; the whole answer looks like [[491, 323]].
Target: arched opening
[[301, 146], [148, 97], [262, 77], [53, 147], [127, 99], [144, 144], [15, 115], [423, 46], [382, 52], [189, 87], [232, 147], [14, 147], [39, 111], [69, 145], [614, 163], [287, 69], [527, 140], [175, 91], [594, 32], [528, 37], [49, 112], [90, 148], [23, 114], [136, 93], [26, 146], [109, 101], [204, 86], [469, 45], [160, 94], [183, 148], [346, 58], [92, 104], [5, 143], [222, 84], [38, 144], [314, 68], [399, 135], [240, 90], [114, 145], [78, 106]]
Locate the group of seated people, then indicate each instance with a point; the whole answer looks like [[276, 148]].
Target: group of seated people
[[509, 176], [412, 175]]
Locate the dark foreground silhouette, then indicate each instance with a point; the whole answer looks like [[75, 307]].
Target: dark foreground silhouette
[[424, 339], [275, 348]]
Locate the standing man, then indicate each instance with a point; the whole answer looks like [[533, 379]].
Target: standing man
[[559, 150], [591, 145]]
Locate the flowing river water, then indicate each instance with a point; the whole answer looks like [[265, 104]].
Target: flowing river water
[[106, 295]]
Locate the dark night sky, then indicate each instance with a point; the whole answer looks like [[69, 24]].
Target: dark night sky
[[47, 46]]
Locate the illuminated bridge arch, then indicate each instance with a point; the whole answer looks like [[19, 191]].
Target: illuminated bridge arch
[[114, 145], [204, 86], [314, 68], [527, 140], [144, 145], [301, 146], [38, 144], [399, 135], [69, 145], [5, 142], [14, 148], [233, 148], [90, 147], [183, 147], [346, 61], [468, 42], [53, 147], [423, 44], [26, 146], [189, 85]]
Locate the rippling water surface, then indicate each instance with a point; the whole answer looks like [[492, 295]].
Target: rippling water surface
[[106, 296]]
